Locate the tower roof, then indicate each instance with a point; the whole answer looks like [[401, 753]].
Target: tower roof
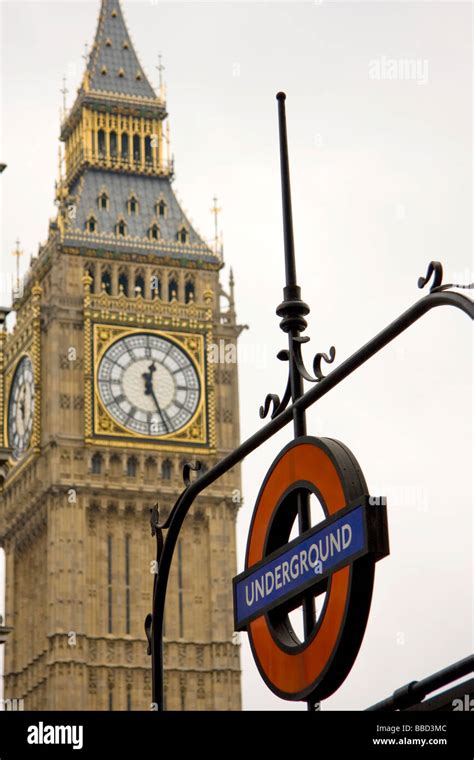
[[113, 66]]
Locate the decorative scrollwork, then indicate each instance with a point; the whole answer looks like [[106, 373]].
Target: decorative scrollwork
[[436, 268], [187, 468], [323, 357], [294, 356]]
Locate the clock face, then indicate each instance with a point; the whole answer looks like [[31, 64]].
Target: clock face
[[148, 384], [21, 408]]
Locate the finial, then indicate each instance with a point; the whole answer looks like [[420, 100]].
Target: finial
[[64, 91], [231, 289], [17, 252], [160, 68], [60, 165], [216, 211], [168, 146]]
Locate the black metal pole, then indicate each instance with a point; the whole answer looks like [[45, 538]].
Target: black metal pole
[[414, 692], [293, 310], [185, 501]]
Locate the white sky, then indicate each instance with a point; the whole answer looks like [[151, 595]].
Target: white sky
[[382, 183]]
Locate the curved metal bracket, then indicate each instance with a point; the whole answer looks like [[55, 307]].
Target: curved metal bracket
[[436, 268]]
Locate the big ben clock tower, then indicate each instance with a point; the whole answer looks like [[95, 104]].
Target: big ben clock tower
[[108, 385]]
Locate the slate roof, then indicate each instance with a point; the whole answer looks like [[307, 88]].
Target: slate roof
[[113, 52], [84, 198]]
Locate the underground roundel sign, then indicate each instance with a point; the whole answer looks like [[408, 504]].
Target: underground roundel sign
[[332, 560]]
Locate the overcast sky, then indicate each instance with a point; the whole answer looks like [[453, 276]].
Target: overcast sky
[[381, 178]]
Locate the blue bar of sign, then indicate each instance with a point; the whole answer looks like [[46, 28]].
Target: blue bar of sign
[[311, 559]]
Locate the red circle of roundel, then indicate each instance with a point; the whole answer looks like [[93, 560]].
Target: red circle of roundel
[[319, 666]]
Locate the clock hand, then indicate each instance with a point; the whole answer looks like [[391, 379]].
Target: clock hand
[[148, 377]]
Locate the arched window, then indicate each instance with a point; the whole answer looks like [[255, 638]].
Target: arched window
[[155, 286], [172, 289], [96, 464], [148, 153], [123, 283], [133, 204], [124, 151], [189, 291], [183, 235], [136, 148], [166, 470], [154, 232], [132, 464], [113, 144], [90, 271], [115, 466], [161, 208], [121, 228], [101, 138], [150, 468], [139, 284], [103, 200], [91, 224], [106, 282]]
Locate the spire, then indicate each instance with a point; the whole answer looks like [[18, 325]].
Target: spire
[[113, 66]]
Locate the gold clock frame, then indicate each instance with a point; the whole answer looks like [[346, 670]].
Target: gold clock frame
[[193, 345], [24, 341], [109, 318]]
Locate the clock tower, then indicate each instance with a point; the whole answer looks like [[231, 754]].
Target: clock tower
[[109, 384]]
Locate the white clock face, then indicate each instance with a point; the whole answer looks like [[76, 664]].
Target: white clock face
[[21, 408], [148, 384]]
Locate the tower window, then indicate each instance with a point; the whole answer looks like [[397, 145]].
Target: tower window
[[131, 467], [148, 153], [139, 285], [166, 470], [172, 289], [125, 45], [96, 464], [91, 224], [136, 148], [108, 43], [115, 466], [90, 271], [161, 208], [155, 286], [138, 75], [103, 70], [183, 235], [121, 73], [132, 205], [124, 146], [150, 468], [113, 144], [123, 283], [103, 200], [121, 228], [189, 291], [106, 282], [101, 141], [154, 232], [114, 13]]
